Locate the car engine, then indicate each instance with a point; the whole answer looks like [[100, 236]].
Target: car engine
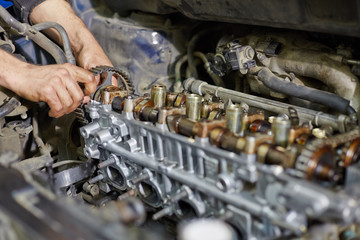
[[231, 120]]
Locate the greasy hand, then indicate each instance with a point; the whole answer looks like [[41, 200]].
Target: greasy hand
[[57, 85]]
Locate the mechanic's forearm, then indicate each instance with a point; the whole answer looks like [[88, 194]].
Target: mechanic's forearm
[[10, 69], [61, 12]]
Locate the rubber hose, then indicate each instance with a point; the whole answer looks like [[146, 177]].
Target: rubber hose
[[331, 100]]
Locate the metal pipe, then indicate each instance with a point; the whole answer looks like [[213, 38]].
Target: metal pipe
[[40, 39], [351, 61], [36, 36], [64, 37], [178, 65], [317, 118], [6, 16], [217, 80]]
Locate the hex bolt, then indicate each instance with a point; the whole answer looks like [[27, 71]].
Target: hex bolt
[[96, 179], [162, 213], [106, 163], [140, 178]]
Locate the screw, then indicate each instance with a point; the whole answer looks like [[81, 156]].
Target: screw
[[182, 194], [162, 213], [96, 179], [106, 163], [140, 178]]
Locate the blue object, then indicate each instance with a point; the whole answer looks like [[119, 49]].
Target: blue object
[[5, 4]]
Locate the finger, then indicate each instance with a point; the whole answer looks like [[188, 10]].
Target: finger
[[75, 93], [98, 80], [65, 98], [55, 105], [87, 78], [86, 99]]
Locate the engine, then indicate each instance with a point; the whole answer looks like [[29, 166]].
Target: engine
[[237, 132], [197, 155]]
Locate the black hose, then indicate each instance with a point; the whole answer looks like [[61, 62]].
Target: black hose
[[331, 100], [9, 107]]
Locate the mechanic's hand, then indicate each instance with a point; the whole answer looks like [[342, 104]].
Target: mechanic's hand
[[92, 56], [57, 85]]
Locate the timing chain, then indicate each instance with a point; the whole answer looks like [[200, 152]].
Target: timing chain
[[123, 81]]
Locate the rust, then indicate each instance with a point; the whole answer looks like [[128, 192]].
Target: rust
[[180, 100], [202, 129], [276, 155], [167, 111], [321, 157], [247, 119], [297, 131], [254, 141], [234, 143], [207, 107], [261, 126], [225, 139], [304, 138], [325, 172], [170, 99], [216, 135], [186, 127], [149, 114], [353, 153], [217, 113], [140, 107], [173, 122], [106, 94]]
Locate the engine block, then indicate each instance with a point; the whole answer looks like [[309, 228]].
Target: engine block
[[267, 174]]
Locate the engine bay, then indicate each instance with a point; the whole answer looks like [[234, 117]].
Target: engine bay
[[234, 130]]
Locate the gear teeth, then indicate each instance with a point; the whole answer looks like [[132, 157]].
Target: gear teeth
[[79, 112], [316, 144], [121, 74]]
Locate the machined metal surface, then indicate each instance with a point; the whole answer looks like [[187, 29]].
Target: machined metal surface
[[158, 163]]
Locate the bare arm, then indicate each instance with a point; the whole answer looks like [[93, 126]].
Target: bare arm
[[56, 85], [86, 49]]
